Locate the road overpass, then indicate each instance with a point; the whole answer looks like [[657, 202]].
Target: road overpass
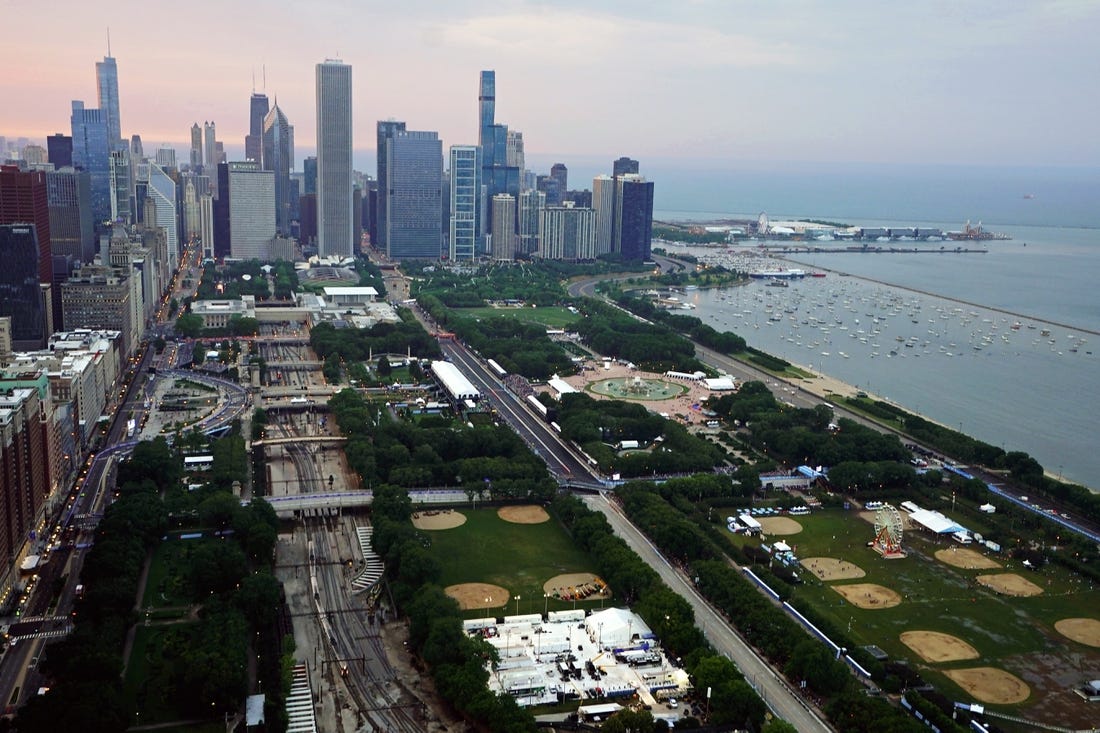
[[295, 440]]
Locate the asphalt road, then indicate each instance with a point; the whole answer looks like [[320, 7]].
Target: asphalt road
[[780, 698]]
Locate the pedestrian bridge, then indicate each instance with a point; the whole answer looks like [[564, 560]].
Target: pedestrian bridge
[[349, 499]]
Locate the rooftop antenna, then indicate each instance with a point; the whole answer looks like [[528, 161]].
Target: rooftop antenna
[[253, 81], [263, 68], [108, 41]]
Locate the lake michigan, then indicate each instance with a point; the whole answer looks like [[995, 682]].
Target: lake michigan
[[1002, 345]]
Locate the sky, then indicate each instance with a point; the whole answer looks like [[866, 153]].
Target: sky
[[705, 83]]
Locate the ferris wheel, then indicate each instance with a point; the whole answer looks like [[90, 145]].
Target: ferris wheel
[[888, 532], [762, 224]]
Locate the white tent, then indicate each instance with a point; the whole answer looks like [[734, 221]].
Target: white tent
[[614, 628]]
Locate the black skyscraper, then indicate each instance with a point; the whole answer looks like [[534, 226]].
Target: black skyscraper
[[387, 130], [21, 294], [634, 210], [223, 244], [622, 166], [59, 148]]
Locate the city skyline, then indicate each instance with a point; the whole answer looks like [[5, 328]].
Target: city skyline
[[974, 84]]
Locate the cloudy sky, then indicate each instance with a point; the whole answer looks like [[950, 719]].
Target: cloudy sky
[[706, 82]]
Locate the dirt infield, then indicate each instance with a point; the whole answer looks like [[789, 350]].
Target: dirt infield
[[477, 595], [779, 525], [1009, 584], [962, 557], [868, 595], [830, 568], [1082, 630], [438, 519], [990, 685], [576, 586], [525, 514], [932, 646]]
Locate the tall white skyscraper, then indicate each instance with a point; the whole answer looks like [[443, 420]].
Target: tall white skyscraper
[[162, 192], [251, 210], [335, 230], [603, 201], [210, 146]]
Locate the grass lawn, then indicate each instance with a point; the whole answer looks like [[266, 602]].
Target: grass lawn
[[519, 557], [143, 685], [166, 585], [936, 596], [551, 317]]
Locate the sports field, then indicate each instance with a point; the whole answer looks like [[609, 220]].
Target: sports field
[[1007, 630], [517, 556]]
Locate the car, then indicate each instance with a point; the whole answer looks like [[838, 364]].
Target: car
[[673, 703]]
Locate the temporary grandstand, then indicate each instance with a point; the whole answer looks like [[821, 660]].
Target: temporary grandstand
[[454, 382]]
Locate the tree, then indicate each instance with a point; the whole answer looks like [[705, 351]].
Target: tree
[[384, 368], [189, 325], [778, 726]]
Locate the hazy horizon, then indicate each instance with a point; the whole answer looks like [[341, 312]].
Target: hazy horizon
[[979, 83]]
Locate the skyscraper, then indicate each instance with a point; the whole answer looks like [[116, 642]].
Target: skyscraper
[[120, 186], [385, 131], [210, 157], [514, 156], [191, 215], [633, 230], [106, 77], [567, 233], [72, 231], [309, 175], [60, 150], [560, 173], [465, 206], [196, 146], [24, 199], [21, 295], [603, 202], [257, 112], [334, 150], [162, 190], [622, 166], [251, 210], [137, 149], [277, 155], [531, 204], [92, 152], [414, 176], [503, 234], [497, 175]]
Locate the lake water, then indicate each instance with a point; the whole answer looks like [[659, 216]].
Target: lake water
[[1023, 380]]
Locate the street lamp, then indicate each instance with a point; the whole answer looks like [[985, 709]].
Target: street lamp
[[488, 602], [517, 604], [546, 604]]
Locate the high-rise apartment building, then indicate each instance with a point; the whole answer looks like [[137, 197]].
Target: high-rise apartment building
[[334, 155], [98, 297], [414, 177], [277, 154], [24, 473], [465, 165], [257, 112], [59, 150], [633, 230], [550, 186], [531, 204], [206, 224], [603, 203], [21, 295], [503, 233], [106, 77], [251, 210], [92, 152], [567, 233]]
